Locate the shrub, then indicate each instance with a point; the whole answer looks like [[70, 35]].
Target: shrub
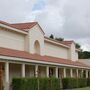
[[25, 84], [88, 81], [44, 84], [36, 84], [69, 83], [17, 83], [82, 82], [31, 84], [55, 84]]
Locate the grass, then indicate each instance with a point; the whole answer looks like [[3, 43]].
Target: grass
[[87, 88]]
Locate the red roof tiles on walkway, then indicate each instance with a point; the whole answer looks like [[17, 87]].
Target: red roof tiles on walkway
[[27, 55]]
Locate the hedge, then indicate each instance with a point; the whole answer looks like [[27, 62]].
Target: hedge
[[82, 82], [31, 84], [36, 84], [44, 84], [25, 84], [55, 84], [16, 84], [49, 83], [88, 81], [70, 83]]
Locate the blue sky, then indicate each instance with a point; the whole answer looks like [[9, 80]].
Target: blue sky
[[39, 5]]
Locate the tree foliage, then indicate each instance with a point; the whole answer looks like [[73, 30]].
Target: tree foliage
[[77, 46], [59, 39], [84, 55], [52, 36]]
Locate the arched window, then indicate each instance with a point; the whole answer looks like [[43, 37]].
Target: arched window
[[37, 47]]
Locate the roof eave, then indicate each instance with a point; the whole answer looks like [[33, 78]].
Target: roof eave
[[38, 61], [41, 28]]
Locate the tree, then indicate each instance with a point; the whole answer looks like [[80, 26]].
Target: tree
[[59, 39], [84, 55], [77, 46], [52, 36]]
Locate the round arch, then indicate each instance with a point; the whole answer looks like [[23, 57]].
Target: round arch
[[37, 47]]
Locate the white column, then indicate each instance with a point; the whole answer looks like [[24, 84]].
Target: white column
[[47, 71], [86, 73], [56, 72], [82, 73], [36, 71], [71, 72], [77, 73], [6, 76], [64, 71], [23, 70]]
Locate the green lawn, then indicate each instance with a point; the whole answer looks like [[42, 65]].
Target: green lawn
[[87, 88]]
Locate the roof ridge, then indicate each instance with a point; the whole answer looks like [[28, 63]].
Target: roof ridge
[[23, 23], [68, 41]]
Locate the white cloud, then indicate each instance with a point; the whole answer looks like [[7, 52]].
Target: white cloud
[[15, 10], [77, 19], [67, 18], [85, 43], [51, 18]]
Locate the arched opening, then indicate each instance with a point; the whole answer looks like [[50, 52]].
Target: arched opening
[[37, 47]]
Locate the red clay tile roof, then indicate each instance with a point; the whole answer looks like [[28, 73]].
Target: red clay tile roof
[[27, 55], [20, 26], [24, 26], [67, 43], [2, 22], [8, 24]]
